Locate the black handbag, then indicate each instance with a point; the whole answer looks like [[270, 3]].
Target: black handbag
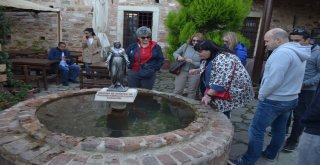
[[175, 68]]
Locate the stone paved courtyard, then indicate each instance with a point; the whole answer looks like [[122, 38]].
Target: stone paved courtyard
[[240, 118]]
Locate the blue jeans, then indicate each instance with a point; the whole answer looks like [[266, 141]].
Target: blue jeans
[[74, 72], [135, 81], [268, 113]]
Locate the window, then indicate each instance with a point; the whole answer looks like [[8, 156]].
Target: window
[[132, 21], [250, 31]]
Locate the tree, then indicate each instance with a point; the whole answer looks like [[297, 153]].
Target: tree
[[211, 17]]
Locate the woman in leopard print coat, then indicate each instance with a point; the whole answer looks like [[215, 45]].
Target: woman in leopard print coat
[[220, 70]]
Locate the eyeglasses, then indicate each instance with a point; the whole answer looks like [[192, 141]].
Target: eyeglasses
[[147, 37], [196, 40]]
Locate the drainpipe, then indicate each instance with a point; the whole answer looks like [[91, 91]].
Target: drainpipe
[[259, 58], [59, 26]]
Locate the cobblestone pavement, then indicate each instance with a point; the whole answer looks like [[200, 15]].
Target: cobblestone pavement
[[240, 118]]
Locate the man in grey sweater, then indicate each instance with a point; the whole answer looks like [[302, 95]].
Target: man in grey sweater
[[278, 95], [309, 86]]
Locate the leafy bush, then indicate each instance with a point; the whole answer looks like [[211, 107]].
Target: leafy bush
[[4, 59], [17, 91], [210, 17]]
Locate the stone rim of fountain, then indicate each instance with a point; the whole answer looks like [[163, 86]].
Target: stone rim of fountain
[[20, 122]]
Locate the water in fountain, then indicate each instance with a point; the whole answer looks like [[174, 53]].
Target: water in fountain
[[81, 116]]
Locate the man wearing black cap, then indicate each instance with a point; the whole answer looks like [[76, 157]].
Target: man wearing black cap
[[309, 86]]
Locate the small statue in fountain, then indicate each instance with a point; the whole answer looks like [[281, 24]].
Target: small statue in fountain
[[117, 63]]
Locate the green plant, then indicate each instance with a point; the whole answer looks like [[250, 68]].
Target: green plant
[[20, 89], [4, 28], [4, 59], [17, 91], [210, 17], [7, 100]]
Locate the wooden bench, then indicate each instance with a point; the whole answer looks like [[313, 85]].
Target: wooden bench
[[97, 77]]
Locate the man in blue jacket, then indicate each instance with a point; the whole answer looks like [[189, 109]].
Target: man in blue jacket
[[309, 143], [69, 70]]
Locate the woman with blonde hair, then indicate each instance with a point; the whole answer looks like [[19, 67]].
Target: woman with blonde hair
[[187, 52], [230, 41]]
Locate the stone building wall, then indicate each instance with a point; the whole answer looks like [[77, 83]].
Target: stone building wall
[[289, 14], [39, 31], [164, 6]]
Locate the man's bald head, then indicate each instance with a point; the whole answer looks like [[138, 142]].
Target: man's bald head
[[275, 37]]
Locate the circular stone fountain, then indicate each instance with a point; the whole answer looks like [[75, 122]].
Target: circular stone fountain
[[44, 131]]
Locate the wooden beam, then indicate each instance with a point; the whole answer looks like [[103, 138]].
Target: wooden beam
[[259, 58]]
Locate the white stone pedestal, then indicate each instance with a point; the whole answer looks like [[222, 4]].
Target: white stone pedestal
[[111, 96]]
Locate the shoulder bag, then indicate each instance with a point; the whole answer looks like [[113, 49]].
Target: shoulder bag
[[224, 94], [175, 68]]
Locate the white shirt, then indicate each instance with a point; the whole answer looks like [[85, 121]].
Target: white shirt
[[90, 40]]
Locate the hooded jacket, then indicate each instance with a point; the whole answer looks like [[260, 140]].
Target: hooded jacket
[[312, 74], [283, 74], [241, 51], [156, 60]]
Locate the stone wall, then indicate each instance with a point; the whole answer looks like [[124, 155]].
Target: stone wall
[[39, 30], [24, 140], [289, 14]]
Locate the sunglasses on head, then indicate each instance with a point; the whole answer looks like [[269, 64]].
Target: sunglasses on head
[[298, 31], [147, 37]]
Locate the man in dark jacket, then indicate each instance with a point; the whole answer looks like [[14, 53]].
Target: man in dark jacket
[[66, 63], [309, 143], [309, 86]]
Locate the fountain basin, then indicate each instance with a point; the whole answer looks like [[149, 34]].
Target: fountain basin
[[24, 140]]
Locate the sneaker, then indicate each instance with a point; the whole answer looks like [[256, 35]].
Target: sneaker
[[266, 158], [289, 147], [236, 162]]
